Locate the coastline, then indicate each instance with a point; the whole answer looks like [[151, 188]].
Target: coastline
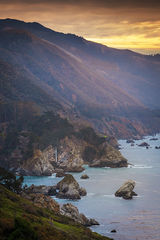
[[129, 218]]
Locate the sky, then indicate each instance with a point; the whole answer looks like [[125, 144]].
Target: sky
[[126, 24]]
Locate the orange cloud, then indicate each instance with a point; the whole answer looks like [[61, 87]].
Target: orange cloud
[[120, 24]]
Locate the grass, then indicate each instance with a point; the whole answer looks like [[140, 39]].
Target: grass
[[21, 220]]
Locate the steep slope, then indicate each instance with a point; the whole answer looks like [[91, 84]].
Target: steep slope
[[109, 88], [47, 144], [20, 219], [135, 73], [68, 77]]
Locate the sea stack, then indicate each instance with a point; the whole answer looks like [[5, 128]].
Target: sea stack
[[126, 190], [69, 188]]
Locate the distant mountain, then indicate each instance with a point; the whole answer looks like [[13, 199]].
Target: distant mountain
[[116, 90]]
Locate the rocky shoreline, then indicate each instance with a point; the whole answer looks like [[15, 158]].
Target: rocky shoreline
[[67, 188], [71, 155]]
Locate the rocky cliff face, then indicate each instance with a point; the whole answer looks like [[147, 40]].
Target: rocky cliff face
[[70, 156], [40, 164], [53, 145], [67, 157], [110, 158]]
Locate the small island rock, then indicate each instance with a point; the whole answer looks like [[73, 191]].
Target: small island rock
[[113, 231], [153, 139], [143, 144], [84, 176], [130, 141], [126, 190], [156, 147], [69, 188]]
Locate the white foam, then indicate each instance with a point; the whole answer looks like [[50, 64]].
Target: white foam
[[141, 166], [53, 176], [109, 195]]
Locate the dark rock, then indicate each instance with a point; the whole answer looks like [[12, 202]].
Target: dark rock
[[113, 231], [93, 222], [71, 211], [126, 190], [69, 188], [153, 139], [144, 144], [84, 176], [156, 147], [82, 192], [130, 141], [52, 191]]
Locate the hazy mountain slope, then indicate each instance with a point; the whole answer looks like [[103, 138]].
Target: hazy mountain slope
[[135, 73], [68, 77], [102, 85]]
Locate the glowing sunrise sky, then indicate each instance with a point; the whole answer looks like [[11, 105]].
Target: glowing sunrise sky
[[132, 24]]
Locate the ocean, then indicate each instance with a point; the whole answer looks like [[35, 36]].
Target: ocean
[[136, 219]]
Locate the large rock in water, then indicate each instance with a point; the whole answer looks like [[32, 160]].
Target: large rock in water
[[69, 188], [84, 176], [126, 190], [71, 211], [143, 144]]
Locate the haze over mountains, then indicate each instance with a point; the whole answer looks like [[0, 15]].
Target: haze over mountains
[[115, 90]]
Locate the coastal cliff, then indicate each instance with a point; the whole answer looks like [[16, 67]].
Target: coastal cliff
[[70, 156], [50, 144]]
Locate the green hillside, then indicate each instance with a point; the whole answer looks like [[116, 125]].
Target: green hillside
[[21, 220]]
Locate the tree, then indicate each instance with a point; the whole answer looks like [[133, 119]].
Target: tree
[[10, 181]]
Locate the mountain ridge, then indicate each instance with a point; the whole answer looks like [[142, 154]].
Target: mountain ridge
[[88, 79]]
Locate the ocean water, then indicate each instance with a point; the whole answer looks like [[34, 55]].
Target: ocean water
[[136, 219]]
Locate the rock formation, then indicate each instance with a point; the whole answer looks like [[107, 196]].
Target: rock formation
[[71, 211], [84, 176], [144, 144], [156, 147], [69, 188], [130, 141], [40, 164], [69, 156], [41, 189], [110, 158], [126, 190], [41, 200], [153, 139]]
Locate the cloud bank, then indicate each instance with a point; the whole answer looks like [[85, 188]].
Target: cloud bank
[[121, 24]]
